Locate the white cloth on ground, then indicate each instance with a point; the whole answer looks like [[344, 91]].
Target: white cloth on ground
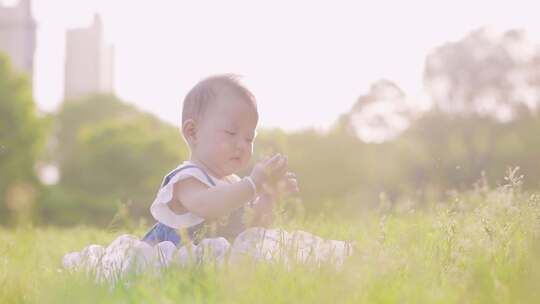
[[128, 254]]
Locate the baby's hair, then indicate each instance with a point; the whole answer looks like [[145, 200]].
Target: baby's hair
[[199, 98]]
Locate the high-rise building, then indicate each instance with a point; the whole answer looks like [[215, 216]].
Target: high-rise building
[[18, 35], [89, 61]]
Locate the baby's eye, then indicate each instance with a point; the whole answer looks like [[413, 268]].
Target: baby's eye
[[230, 132]]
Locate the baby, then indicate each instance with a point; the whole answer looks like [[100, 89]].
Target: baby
[[203, 209], [203, 195]]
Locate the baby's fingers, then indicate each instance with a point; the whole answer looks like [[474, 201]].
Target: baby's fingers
[[267, 164], [270, 161], [289, 185], [276, 167], [290, 175], [292, 186], [281, 167]]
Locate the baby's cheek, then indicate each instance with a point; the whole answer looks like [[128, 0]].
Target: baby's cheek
[[225, 146], [246, 159], [250, 150]]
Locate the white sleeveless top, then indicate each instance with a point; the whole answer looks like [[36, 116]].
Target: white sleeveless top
[[161, 211]]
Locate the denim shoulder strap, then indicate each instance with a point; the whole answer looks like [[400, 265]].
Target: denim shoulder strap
[[169, 176]]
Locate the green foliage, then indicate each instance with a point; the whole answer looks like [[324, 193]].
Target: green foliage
[[436, 153], [109, 153], [112, 157], [21, 141]]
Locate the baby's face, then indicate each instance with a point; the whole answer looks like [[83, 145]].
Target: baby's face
[[225, 135]]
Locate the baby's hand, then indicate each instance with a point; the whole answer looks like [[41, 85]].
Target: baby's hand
[[283, 188], [287, 185], [269, 171]]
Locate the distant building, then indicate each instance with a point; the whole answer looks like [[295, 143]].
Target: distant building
[[18, 35], [89, 61]]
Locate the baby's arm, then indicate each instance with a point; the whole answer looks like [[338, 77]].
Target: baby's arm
[[213, 202], [210, 202]]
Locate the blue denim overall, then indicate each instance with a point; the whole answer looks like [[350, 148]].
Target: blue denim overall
[[161, 232]]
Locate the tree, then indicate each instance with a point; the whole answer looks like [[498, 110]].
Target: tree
[[21, 141], [485, 73], [379, 115], [109, 152]]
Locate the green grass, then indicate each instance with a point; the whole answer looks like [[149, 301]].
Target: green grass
[[481, 246]]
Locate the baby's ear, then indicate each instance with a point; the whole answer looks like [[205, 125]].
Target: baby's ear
[[189, 130]]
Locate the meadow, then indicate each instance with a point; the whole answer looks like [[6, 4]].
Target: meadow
[[477, 246], [396, 179]]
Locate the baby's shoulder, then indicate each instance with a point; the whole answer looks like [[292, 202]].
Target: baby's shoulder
[[187, 171]]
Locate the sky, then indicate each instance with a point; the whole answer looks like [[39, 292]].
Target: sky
[[305, 61]]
